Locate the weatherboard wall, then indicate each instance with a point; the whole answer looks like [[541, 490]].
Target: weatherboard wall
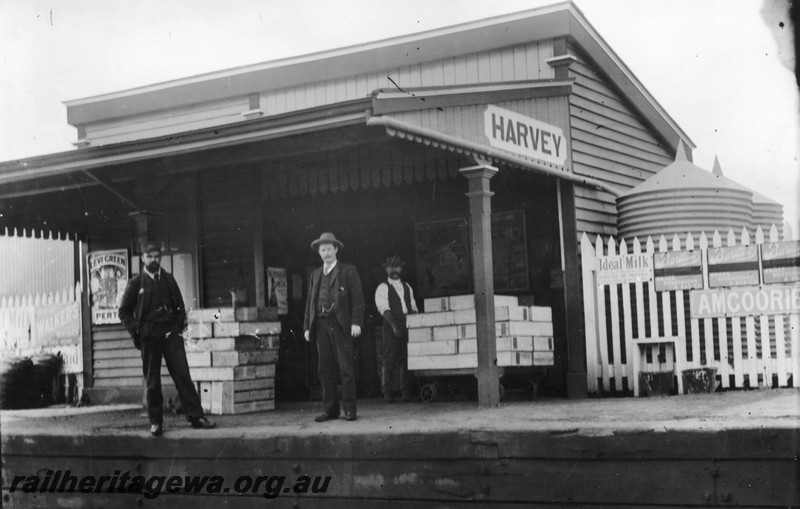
[[610, 142], [515, 63]]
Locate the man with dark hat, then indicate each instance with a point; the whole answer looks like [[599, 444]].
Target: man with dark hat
[[395, 300], [152, 311], [334, 316]]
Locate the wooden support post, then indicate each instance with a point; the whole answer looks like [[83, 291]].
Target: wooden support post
[[258, 246], [577, 385], [481, 212], [81, 250]]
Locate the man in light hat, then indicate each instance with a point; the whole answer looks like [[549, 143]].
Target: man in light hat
[[152, 311], [334, 316], [395, 300]]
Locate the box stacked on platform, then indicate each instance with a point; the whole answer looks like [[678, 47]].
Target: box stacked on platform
[[445, 336], [232, 355]]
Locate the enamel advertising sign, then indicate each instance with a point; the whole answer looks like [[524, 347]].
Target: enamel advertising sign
[[678, 270], [781, 262], [732, 266]]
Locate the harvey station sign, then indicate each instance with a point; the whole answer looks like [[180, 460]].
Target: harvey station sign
[[524, 136]]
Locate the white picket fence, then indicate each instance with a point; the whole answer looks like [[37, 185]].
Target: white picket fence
[[630, 323], [35, 262]]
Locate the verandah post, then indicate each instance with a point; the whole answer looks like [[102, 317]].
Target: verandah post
[[481, 212]]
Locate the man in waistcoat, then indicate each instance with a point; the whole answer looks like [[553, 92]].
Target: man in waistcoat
[[152, 311], [334, 316], [395, 300]]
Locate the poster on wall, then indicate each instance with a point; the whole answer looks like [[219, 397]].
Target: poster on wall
[[51, 327], [57, 329], [732, 266], [509, 251], [108, 276], [443, 258], [623, 269], [781, 262], [678, 270], [277, 290]]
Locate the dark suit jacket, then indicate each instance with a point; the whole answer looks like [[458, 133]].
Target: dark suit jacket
[[349, 307], [138, 292]]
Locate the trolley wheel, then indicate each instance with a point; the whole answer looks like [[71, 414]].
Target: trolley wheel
[[532, 389], [427, 392]]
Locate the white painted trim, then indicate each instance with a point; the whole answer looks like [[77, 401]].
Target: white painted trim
[[382, 94], [251, 114]]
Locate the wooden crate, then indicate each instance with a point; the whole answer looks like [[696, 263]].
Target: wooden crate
[[456, 361], [421, 334], [432, 348], [231, 397], [430, 319], [458, 302], [523, 328], [254, 314], [210, 315], [239, 344], [234, 329]]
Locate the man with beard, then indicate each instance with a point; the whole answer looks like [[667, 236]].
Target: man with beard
[[395, 300], [152, 311]]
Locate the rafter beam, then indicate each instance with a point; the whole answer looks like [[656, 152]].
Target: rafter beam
[[114, 189]]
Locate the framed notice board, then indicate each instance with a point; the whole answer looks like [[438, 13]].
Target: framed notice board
[[444, 264], [509, 251]]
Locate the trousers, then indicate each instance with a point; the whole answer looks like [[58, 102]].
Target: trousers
[[335, 350], [394, 351], [155, 347]]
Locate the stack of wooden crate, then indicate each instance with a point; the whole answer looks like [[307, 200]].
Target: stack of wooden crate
[[232, 355], [445, 336]]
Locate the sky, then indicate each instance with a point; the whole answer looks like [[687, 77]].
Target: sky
[[720, 68]]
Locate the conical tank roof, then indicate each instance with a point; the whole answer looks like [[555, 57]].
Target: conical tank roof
[[684, 198], [682, 174]]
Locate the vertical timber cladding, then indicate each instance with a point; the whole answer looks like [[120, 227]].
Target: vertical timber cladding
[[610, 142], [229, 204]]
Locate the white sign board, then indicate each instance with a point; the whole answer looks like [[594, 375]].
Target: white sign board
[[753, 301], [781, 262], [632, 268], [524, 136]]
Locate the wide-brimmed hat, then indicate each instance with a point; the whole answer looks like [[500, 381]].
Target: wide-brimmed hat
[[148, 246], [327, 238], [393, 261]]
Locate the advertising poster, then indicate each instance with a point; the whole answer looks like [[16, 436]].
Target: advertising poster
[[678, 270], [509, 253], [781, 262], [277, 290], [732, 266], [108, 276], [443, 258], [57, 329], [620, 269]]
